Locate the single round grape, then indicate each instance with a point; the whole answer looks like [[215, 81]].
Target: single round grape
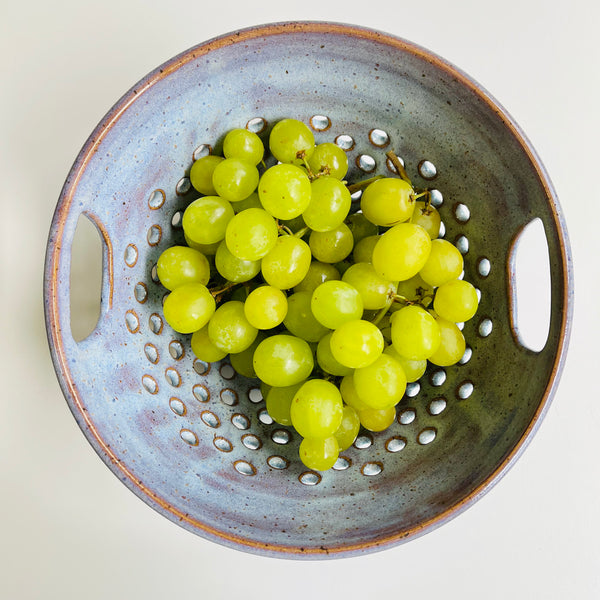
[[331, 246], [284, 191], [319, 454], [357, 343], [291, 139], [279, 401], [281, 360], [300, 320], [243, 362], [452, 345], [251, 234], [377, 419], [349, 394], [388, 201], [252, 201], [229, 329], [456, 301], [414, 290], [363, 250], [326, 360], [266, 307], [179, 265], [201, 174], [428, 217], [189, 307], [235, 269], [348, 429], [373, 289], [329, 204], [287, 264], [360, 227], [380, 384], [444, 264], [317, 274], [205, 219], [334, 303], [317, 409], [413, 369], [330, 159], [206, 249], [203, 348], [415, 333], [235, 179], [401, 252], [243, 144]]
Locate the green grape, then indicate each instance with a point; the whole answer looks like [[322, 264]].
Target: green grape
[[317, 274], [361, 227], [356, 344], [287, 264], [229, 329], [189, 307], [243, 362], [201, 174], [349, 394], [444, 264], [414, 290], [235, 269], [343, 266], [388, 201], [251, 234], [319, 454], [317, 409], [205, 219], [295, 225], [279, 401], [401, 252], [282, 360], [331, 246], [375, 419], [330, 159], [452, 345], [266, 307], [290, 139], [326, 360], [252, 201], [415, 333], [300, 320], [243, 144], [348, 429], [428, 217], [456, 301], [380, 384], [329, 204], [235, 179], [413, 369], [265, 388], [363, 250], [206, 249], [179, 265], [334, 303], [373, 289], [284, 191], [203, 348]]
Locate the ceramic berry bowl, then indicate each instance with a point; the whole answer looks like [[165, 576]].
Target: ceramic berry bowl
[[194, 440]]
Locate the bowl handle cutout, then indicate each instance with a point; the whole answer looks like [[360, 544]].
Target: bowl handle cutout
[[529, 286], [91, 275]]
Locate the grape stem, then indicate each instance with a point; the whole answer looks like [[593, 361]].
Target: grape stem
[[420, 195], [218, 292], [285, 229], [383, 311], [398, 166], [361, 185]]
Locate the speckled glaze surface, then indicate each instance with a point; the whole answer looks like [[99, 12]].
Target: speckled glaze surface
[[194, 440]]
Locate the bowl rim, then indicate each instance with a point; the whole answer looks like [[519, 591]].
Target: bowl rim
[[51, 291]]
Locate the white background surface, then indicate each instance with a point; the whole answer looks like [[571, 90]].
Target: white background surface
[[70, 529]]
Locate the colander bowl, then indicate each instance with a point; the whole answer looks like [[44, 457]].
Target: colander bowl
[[194, 440]]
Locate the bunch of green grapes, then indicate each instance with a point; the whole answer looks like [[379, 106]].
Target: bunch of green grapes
[[333, 310]]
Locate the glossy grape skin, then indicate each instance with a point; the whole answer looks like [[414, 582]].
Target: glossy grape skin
[[204, 349], [357, 343], [317, 409], [229, 329], [205, 219], [456, 301], [235, 269], [388, 201], [206, 249], [452, 345], [360, 227], [235, 179], [376, 420], [243, 362], [282, 360], [348, 429], [445, 263], [201, 174], [329, 204], [317, 274], [266, 307], [349, 394], [300, 320], [189, 307], [380, 384], [287, 264], [428, 217], [243, 144], [279, 401], [331, 246], [326, 360], [363, 250], [251, 234], [284, 191], [401, 252], [179, 265], [290, 137], [373, 289], [413, 369], [319, 454], [415, 333], [330, 159], [335, 302]]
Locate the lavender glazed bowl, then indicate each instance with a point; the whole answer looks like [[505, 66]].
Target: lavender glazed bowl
[[194, 440]]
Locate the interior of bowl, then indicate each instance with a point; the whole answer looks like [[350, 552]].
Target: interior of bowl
[[194, 440]]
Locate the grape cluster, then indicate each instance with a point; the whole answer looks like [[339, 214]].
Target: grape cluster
[[334, 311]]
